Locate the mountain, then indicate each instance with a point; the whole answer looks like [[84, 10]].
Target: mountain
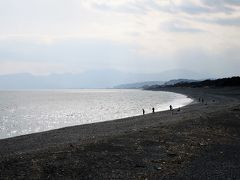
[[223, 82], [138, 85], [176, 81], [91, 79], [214, 83]]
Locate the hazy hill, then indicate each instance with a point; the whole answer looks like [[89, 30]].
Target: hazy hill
[[224, 82], [217, 83], [138, 85], [146, 84], [90, 79], [176, 81]]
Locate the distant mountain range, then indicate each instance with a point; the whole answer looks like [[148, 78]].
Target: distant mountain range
[[91, 79], [139, 85], [146, 84]]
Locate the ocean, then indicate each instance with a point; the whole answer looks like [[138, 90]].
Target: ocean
[[24, 112]]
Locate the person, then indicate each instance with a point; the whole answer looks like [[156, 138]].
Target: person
[[202, 100], [153, 110], [143, 111], [171, 108]]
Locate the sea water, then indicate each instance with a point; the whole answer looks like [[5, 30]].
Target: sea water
[[25, 112]]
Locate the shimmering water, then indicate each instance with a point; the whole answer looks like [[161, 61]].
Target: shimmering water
[[24, 112]]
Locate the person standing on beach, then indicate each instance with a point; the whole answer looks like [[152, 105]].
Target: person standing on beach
[[143, 111], [153, 110], [171, 109]]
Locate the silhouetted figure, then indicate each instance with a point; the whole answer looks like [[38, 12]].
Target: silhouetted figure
[[202, 100], [143, 111], [153, 110], [171, 108]]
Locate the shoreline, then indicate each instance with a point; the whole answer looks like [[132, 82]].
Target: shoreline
[[124, 116], [87, 128], [109, 120], [77, 140]]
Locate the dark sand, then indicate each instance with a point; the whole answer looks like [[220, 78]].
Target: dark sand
[[199, 142]]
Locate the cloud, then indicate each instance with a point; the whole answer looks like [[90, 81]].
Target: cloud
[[189, 7], [193, 7], [130, 35], [76, 54], [221, 64], [222, 2], [129, 7], [179, 27], [226, 21]]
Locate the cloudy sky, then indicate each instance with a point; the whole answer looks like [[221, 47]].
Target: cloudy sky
[[147, 36]]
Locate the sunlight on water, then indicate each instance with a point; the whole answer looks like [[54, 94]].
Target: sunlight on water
[[24, 112]]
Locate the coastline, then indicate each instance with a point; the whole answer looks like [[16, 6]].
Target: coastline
[[45, 111], [57, 136], [39, 147]]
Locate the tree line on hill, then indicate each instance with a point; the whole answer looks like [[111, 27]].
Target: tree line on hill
[[224, 82]]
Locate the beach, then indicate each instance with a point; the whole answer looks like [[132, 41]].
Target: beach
[[201, 141]]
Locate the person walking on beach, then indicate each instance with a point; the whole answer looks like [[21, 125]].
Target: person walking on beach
[[143, 111], [153, 110], [171, 109]]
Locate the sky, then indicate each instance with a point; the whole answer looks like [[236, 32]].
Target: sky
[[135, 36]]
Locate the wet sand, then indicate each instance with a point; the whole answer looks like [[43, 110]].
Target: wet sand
[[201, 141]]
